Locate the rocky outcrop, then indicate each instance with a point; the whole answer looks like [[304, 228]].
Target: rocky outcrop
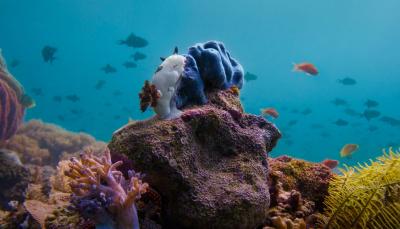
[[14, 179], [209, 165]]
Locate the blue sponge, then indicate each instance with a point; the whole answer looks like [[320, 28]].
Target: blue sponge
[[209, 66]]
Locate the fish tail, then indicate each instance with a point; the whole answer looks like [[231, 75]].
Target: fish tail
[[295, 68]]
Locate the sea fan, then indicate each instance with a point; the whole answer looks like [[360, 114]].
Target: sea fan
[[366, 196]]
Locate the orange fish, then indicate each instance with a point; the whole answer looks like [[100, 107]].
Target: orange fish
[[348, 150], [330, 163], [270, 111], [308, 68]]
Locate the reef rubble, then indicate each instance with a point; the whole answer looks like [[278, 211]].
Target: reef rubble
[[209, 165]]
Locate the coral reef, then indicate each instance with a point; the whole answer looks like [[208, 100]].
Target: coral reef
[[297, 190], [209, 166], [102, 193], [208, 66], [27, 172], [279, 222], [46, 144], [14, 179], [311, 179], [365, 196]]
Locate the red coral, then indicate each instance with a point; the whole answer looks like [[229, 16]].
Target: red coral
[[11, 111]]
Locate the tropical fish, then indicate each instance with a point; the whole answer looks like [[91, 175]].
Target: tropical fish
[[48, 53], [250, 77], [130, 64], [371, 103], [347, 81], [370, 114], [352, 112], [348, 150], [37, 91], [14, 63], [100, 84], [117, 93], [306, 111], [73, 98], [341, 122], [325, 134], [317, 126], [57, 98], [61, 117], [356, 124], [138, 56], [109, 69], [134, 41], [330, 163], [339, 102], [270, 111], [308, 68], [292, 122], [76, 111], [372, 128], [391, 121]]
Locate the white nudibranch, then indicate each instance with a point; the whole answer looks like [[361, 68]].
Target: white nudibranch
[[166, 80]]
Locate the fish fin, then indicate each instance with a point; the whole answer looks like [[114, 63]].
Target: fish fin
[[175, 50], [162, 58]]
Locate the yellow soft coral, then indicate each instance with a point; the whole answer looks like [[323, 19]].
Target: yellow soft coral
[[366, 196]]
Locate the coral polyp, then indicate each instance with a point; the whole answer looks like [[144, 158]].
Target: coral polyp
[[101, 192]]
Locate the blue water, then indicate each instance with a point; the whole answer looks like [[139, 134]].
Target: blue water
[[343, 38]]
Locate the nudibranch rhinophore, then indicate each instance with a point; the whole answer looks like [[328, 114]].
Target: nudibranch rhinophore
[[183, 80]]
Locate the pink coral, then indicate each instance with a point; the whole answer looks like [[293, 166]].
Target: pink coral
[[98, 178]]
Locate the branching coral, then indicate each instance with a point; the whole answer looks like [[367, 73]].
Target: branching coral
[[366, 196], [100, 190]]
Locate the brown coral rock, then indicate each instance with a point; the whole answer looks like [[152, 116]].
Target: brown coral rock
[[297, 189], [14, 179], [209, 166]]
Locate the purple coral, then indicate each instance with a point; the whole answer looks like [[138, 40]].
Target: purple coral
[[101, 192], [11, 111]]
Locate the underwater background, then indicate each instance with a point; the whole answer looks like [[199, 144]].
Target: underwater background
[[358, 40]]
